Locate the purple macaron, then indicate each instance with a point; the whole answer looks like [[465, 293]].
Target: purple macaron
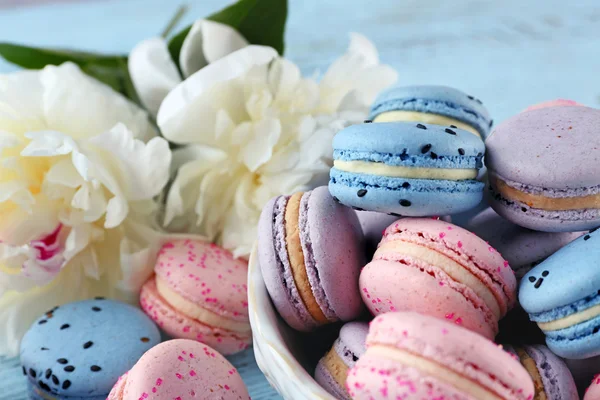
[[549, 373], [542, 169], [332, 369], [310, 254]]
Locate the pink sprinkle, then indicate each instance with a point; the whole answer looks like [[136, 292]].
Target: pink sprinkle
[[444, 331], [191, 355], [505, 263], [449, 228], [226, 387], [177, 398], [498, 269], [441, 283], [459, 244], [450, 316], [192, 373], [154, 390], [458, 321], [159, 382], [186, 328], [180, 358], [442, 234], [144, 395], [178, 375]]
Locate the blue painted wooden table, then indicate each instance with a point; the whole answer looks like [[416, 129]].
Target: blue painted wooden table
[[510, 54]]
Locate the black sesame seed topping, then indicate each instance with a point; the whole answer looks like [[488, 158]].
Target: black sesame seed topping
[[471, 97], [62, 361], [361, 192], [87, 345], [42, 322], [65, 326], [99, 298], [425, 148], [66, 384], [545, 273], [453, 126], [461, 152], [532, 279], [96, 309], [538, 283], [48, 373], [55, 380], [596, 329], [406, 185], [421, 126], [368, 121], [434, 156], [491, 122], [586, 237], [593, 230], [395, 214], [24, 371], [44, 386], [32, 373], [69, 368], [95, 368], [479, 154], [450, 131], [354, 358], [523, 209], [44, 349], [405, 203], [145, 340]]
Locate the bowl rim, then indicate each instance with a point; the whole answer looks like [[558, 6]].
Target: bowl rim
[[267, 334]]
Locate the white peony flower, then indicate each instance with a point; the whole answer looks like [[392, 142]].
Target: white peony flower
[[79, 168], [153, 72], [254, 128]]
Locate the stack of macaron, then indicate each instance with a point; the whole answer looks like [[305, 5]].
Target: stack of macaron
[[523, 246]]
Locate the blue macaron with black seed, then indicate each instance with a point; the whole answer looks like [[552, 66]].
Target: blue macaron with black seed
[[562, 295], [432, 104], [407, 169], [79, 350]]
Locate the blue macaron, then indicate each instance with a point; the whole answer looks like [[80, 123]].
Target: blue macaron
[[433, 101], [407, 169], [79, 350], [562, 295]]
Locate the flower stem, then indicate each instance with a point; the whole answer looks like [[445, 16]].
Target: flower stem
[[181, 11]]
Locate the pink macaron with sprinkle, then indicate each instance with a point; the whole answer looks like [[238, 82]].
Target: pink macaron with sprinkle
[[439, 269], [199, 292], [411, 356], [181, 369]]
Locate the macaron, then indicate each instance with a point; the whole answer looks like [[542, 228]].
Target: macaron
[[439, 269], [411, 356], [551, 377], [78, 351], [407, 169], [561, 295], [430, 104], [199, 292], [181, 369], [542, 169], [310, 251], [593, 392], [332, 369], [523, 248]]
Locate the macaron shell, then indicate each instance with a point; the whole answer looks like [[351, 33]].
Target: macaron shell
[[556, 377], [328, 382], [336, 243], [183, 369], [387, 286], [527, 146], [80, 349], [353, 336], [206, 275], [593, 392], [553, 103], [178, 325], [453, 347]]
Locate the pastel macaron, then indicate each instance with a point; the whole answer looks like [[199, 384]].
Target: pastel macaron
[[593, 391], [332, 369], [78, 351], [430, 104], [199, 292], [439, 269], [411, 356], [181, 369], [407, 169], [551, 376], [561, 295], [542, 169], [310, 251]]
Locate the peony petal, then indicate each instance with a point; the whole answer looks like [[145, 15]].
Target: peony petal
[[153, 72], [48, 144], [187, 115], [21, 108], [207, 42], [259, 149]]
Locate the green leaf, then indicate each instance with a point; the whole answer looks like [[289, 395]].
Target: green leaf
[[259, 21], [109, 69]]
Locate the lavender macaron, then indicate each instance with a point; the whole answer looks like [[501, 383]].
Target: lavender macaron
[[332, 369], [310, 254], [542, 167], [551, 377]]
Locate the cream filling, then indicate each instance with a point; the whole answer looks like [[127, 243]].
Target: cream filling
[[196, 312], [532, 369], [456, 271], [571, 320], [336, 367], [396, 171], [436, 370], [427, 118]]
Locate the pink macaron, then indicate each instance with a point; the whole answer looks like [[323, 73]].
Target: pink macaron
[[439, 269], [199, 292], [412, 356], [181, 369]]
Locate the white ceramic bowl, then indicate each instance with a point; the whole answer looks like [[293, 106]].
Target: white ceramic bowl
[[276, 345]]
